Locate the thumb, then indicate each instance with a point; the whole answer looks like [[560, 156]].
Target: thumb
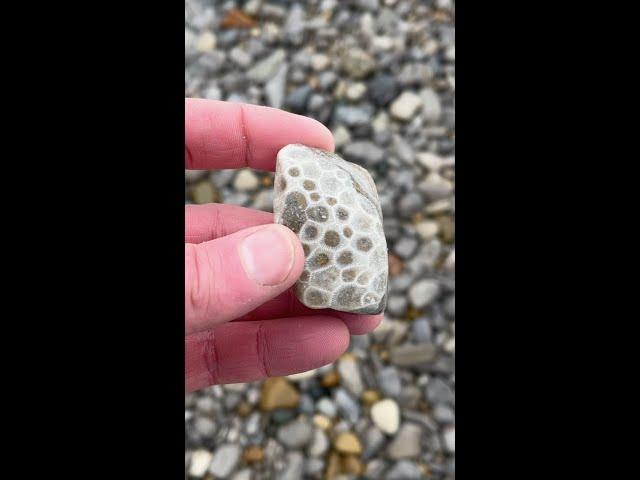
[[228, 277]]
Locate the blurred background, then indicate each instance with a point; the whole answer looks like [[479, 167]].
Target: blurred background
[[381, 75]]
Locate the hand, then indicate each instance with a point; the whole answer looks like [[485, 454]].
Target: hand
[[242, 320]]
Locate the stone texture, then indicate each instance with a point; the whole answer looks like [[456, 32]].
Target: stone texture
[[333, 207]]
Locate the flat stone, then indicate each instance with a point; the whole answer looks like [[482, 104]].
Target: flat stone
[[409, 355], [347, 442], [224, 460], [405, 106], [404, 470], [406, 443], [267, 68], [333, 206], [349, 371], [386, 416], [294, 467], [295, 434], [319, 443], [423, 293]]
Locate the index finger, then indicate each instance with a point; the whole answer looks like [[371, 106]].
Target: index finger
[[236, 135]]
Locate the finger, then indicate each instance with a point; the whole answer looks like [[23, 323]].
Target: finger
[[214, 220], [287, 305], [246, 351], [235, 135], [230, 276]]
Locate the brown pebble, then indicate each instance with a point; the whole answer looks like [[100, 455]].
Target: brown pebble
[[253, 454], [331, 379], [333, 466], [369, 397], [243, 409], [238, 19], [395, 265], [352, 465], [347, 442], [278, 393]]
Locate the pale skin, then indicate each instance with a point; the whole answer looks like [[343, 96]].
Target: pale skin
[[242, 320]]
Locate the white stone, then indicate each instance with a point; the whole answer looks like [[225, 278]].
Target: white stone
[[405, 106], [246, 181], [333, 206], [200, 461], [319, 443], [319, 61], [386, 416], [423, 293], [224, 460], [427, 229], [341, 136], [350, 375], [430, 161], [449, 437], [206, 42], [356, 91]]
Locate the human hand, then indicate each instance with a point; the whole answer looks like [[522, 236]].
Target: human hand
[[242, 319]]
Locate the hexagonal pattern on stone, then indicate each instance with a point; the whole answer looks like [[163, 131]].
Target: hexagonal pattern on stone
[[333, 206]]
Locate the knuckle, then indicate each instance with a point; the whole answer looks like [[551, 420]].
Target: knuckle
[[199, 283]]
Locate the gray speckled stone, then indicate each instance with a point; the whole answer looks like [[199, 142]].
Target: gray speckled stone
[[333, 206]]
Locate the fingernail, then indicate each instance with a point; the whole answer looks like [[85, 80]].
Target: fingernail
[[267, 256]]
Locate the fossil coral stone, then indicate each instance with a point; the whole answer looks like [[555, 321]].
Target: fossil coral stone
[[333, 206]]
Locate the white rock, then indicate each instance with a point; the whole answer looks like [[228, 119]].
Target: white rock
[[356, 91], [246, 181], [449, 438], [333, 206], [423, 293], [349, 371], [200, 461], [206, 42], [319, 61], [224, 460], [405, 106], [386, 416], [430, 161], [341, 136], [431, 109], [319, 443], [427, 229]]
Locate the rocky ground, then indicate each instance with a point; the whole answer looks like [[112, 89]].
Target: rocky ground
[[381, 75]]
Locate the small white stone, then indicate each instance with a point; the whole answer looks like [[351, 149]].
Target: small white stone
[[246, 181], [430, 161], [319, 61], [427, 229], [200, 461], [449, 437], [224, 460], [206, 42], [386, 416], [356, 91], [350, 375], [423, 293], [341, 136], [405, 106]]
